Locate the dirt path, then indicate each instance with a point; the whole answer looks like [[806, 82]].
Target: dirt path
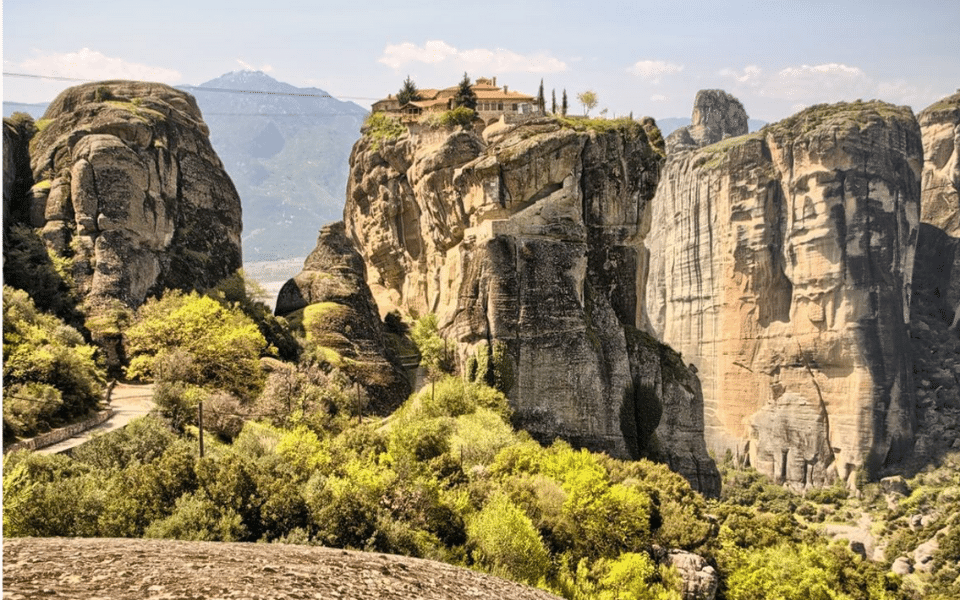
[[121, 569], [128, 402]]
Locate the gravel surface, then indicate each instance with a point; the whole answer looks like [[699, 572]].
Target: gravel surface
[[119, 569]]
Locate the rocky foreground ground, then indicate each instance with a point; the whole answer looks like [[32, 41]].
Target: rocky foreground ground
[[118, 569]]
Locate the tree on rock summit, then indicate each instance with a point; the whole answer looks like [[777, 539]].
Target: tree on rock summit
[[409, 92], [465, 97]]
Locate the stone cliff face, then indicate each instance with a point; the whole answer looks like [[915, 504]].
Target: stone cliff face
[[129, 190], [940, 203], [346, 319], [780, 265], [530, 238]]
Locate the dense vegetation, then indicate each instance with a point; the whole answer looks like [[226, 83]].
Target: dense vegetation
[[49, 373], [294, 460]]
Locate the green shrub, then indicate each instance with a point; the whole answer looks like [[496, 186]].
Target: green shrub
[[49, 373], [505, 542], [460, 116], [196, 517], [381, 126]]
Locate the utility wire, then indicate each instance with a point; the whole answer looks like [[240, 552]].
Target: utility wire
[[193, 87]]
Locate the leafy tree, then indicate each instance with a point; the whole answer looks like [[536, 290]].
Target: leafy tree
[[432, 347], [465, 96], [221, 346], [409, 92], [541, 102], [240, 292], [563, 105], [589, 101], [49, 373]]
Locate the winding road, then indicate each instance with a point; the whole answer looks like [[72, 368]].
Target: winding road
[[128, 402]]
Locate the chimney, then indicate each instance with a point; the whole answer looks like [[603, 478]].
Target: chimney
[[494, 82], [505, 89]]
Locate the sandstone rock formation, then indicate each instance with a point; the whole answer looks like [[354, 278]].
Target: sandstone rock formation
[[531, 237], [129, 190], [780, 265], [940, 196], [716, 115], [346, 319]]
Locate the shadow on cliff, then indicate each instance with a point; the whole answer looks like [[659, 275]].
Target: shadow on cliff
[[935, 341]]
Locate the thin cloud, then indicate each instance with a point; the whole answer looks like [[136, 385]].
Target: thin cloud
[[822, 83], [476, 59], [248, 67], [750, 74], [92, 64], [658, 98], [654, 70]]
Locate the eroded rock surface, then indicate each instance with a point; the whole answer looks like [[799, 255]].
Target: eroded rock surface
[[531, 237], [346, 319], [122, 569], [935, 338], [717, 115], [781, 265], [940, 203], [129, 189]]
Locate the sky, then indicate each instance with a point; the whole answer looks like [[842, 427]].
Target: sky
[[644, 58]]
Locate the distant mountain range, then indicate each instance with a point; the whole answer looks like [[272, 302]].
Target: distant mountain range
[[288, 155], [668, 125]]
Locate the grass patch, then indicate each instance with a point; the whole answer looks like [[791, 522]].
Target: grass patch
[[42, 124], [380, 127], [136, 107], [600, 125]]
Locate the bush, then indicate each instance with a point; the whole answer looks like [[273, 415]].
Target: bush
[[49, 372], [143, 441], [380, 126], [460, 116], [505, 542]]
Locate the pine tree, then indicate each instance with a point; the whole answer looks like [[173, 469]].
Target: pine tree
[[553, 101], [563, 107], [541, 102], [409, 92], [465, 96]]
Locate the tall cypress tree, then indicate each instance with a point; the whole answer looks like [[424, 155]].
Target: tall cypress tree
[[541, 101], [553, 101], [563, 107]]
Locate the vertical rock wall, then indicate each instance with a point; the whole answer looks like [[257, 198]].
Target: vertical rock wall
[[531, 238], [780, 265], [940, 203]]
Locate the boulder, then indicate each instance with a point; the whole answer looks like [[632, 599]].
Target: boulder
[[130, 193], [345, 318], [780, 265], [700, 580]]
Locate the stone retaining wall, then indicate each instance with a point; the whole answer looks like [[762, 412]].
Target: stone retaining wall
[[58, 435]]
